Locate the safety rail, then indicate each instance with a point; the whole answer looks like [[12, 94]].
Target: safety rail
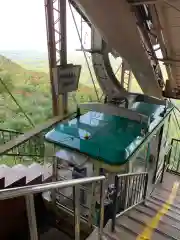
[[7, 135], [36, 131], [29, 192], [174, 156], [130, 191], [17, 147], [33, 147]]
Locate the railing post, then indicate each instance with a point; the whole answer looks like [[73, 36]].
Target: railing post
[[76, 197], [145, 187], [115, 203], [54, 179], [164, 168], [127, 189], [31, 214], [101, 219], [169, 154]]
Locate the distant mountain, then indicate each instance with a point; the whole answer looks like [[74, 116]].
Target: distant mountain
[[20, 55], [9, 65], [38, 61], [22, 76]]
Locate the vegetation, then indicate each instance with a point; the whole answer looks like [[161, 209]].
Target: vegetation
[[31, 89]]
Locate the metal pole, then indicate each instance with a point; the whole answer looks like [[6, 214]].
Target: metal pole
[[63, 47], [129, 80], [102, 198], [169, 155], [145, 186], [159, 152], [115, 202], [164, 168], [76, 198], [175, 155], [54, 179], [122, 73], [127, 190], [178, 164], [31, 214], [51, 52]]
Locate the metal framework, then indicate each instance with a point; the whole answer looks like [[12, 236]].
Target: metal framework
[[149, 24], [57, 48], [126, 76]]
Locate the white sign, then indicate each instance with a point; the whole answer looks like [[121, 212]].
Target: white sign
[[66, 78]]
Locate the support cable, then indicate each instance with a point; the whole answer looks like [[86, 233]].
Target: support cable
[[16, 102], [172, 6], [82, 47]]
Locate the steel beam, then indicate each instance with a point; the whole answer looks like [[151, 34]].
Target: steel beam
[[140, 2], [57, 48]]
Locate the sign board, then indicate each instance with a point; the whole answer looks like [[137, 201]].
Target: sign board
[[66, 79]]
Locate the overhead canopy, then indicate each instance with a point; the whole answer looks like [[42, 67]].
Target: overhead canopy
[[168, 18], [117, 24]]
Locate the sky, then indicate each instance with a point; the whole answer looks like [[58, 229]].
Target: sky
[[23, 26]]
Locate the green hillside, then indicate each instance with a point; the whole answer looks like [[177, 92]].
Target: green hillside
[[32, 90]]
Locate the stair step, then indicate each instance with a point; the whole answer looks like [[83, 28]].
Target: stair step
[[45, 170], [152, 212], [163, 226], [160, 204], [160, 200], [165, 195], [20, 167], [54, 234], [33, 176], [172, 213], [12, 176], [176, 200], [2, 182], [137, 228], [161, 188], [118, 234], [20, 175], [15, 182], [3, 169]]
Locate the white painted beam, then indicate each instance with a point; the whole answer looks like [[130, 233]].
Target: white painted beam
[[117, 24]]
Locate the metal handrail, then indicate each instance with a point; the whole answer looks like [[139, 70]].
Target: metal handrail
[[131, 174], [10, 131], [22, 138], [29, 191], [124, 183], [32, 189]]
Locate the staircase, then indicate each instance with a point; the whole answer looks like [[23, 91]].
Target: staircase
[[13, 209], [136, 217], [157, 218], [21, 175]]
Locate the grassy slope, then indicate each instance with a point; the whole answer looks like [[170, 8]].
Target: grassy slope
[[32, 91]]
